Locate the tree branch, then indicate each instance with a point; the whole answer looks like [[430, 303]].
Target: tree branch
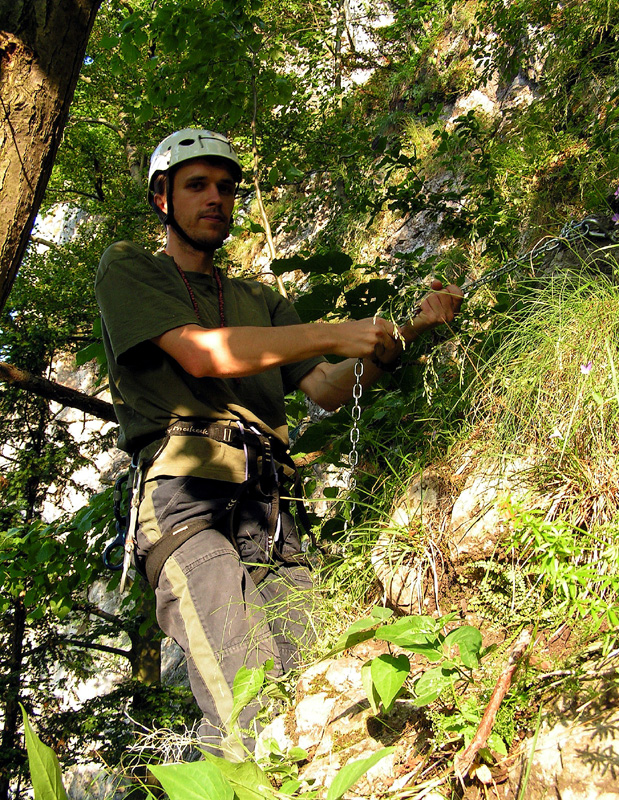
[[98, 612], [463, 761], [104, 648], [57, 392]]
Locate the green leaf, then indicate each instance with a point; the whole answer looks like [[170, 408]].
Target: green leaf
[[359, 631], [199, 780], [108, 42], [381, 613], [370, 688], [247, 685], [468, 640], [334, 262], [388, 675], [88, 353], [130, 52], [318, 302], [431, 684], [417, 634], [368, 298], [44, 767], [297, 754], [496, 743], [247, 779], [351, 772]]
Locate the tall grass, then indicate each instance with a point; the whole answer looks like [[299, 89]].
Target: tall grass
[[547, 390]]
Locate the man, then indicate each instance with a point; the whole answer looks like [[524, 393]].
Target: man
[[199, 365]]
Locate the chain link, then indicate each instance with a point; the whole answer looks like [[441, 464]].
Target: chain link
[[353, 455]]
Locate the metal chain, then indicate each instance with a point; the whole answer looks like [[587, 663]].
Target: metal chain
[[571, 232], [353, 456]]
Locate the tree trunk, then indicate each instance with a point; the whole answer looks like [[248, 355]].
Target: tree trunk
[[11, 701], [42, 47]]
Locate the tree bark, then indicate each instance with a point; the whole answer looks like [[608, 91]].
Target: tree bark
[[42, 47], [12, 689], [57, 392]]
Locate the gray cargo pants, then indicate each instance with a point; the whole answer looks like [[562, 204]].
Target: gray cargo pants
[[209, 604]]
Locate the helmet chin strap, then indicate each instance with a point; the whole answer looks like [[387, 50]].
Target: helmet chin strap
[[202, 247]]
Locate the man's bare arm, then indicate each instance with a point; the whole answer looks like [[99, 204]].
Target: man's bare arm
[[247, 350]]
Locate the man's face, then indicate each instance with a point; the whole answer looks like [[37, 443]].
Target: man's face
[[203, 198]]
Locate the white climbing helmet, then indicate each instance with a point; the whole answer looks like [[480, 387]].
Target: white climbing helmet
[[187, 144]]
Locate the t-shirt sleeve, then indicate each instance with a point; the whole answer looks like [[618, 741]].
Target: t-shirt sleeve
[[138, 298], [283, 312]]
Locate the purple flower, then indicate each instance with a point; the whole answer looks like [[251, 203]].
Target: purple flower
[[586, 368]]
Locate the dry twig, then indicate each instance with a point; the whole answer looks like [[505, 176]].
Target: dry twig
[[464, 761]]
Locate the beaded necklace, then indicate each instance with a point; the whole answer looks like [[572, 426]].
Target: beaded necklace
[[194, 302]]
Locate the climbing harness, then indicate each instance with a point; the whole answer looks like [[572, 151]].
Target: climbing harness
[[572, 232], [268, 466]]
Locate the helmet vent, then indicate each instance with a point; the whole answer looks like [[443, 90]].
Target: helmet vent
[[186, 142]]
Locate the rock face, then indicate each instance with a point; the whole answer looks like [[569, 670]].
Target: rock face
[[576, 756], [90, 782], [480, 516], [334, 723]]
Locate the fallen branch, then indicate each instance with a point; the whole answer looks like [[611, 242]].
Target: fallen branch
[[51, 390], [464, 761]]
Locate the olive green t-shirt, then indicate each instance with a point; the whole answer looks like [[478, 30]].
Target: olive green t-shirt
[[142, 296]]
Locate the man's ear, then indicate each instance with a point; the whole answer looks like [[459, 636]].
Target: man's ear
[[161, 201]]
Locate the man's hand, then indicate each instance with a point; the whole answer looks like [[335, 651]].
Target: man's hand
[[438, 307], [330, 385]]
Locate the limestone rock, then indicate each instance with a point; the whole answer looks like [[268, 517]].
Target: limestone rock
[[574, 760], [479, 517], [92, 782], [400, 569], [334, 723]]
